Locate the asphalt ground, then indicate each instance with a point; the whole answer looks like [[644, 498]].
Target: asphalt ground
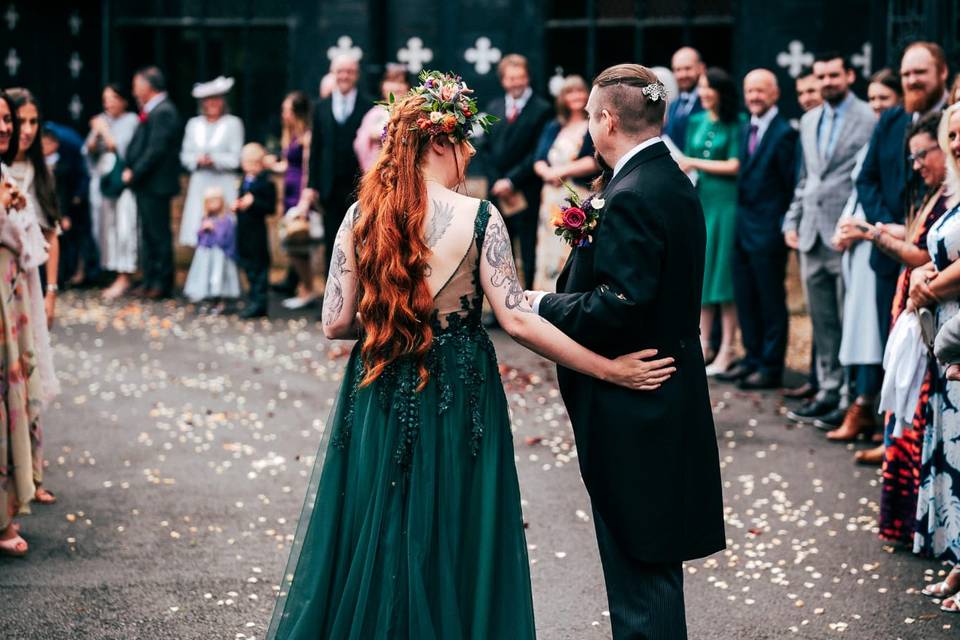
[[180, 450]]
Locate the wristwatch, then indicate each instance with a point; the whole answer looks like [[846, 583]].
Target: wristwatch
[[52, 288]]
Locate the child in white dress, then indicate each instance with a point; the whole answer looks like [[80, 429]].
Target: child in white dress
[[213, 273]]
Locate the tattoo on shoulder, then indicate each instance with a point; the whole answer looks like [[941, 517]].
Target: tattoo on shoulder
[[439, 223], [499, 256]]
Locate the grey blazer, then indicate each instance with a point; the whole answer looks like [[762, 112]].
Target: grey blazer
[[825, 184]]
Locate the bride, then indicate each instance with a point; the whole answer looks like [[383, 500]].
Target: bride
[[412, 526]]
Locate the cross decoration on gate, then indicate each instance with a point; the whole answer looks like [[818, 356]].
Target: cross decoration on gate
[[864, 59], [75, 23], [794, 59], [12, 62], [12, 17], [482, 55], [76, 107], [75, 65], [346, 48], [415, 55]]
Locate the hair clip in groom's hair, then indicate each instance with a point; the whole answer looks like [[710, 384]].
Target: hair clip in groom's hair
[[655, 91]]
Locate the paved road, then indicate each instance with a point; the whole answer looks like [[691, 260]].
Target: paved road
[[180, 450]]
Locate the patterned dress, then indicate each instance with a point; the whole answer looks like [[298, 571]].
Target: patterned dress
[[901, 460], [412, 525], [938, 499]]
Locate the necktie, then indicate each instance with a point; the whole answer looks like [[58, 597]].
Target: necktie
[[753, 139], [827, 133], [143, 116], [514, 112]]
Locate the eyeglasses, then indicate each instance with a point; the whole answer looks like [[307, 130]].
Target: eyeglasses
[[919, 156]]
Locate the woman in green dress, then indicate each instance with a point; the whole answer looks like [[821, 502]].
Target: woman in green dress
[[411, 527], [713, 150]]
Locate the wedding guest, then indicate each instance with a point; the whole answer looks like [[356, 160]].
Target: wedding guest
[[687, 66], [257, 201], [213, 272], [296, 117], [902, 455], [63, 150], [712, 149], [563, 161], [333, 167], [35, 180], [30, 383], [113, 206], [764, 189], [809, 224], [808, 96], [955, 90], [508, 153], [153, 173], [367, 143], [861, 344], [885, 179], [937, 285], [808, 91], [210, 152]]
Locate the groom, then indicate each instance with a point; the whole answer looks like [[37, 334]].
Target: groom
[[649, 459]]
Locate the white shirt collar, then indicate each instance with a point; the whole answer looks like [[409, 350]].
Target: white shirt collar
[[763, 122], [941, 104], [637, 149], [154, 101], [520, 102]]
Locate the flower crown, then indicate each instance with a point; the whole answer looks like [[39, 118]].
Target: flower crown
[[449, 109]]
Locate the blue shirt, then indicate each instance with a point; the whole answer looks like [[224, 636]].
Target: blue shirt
[[838, 114]]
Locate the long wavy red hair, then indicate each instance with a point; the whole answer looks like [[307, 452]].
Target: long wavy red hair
[[395, 302]]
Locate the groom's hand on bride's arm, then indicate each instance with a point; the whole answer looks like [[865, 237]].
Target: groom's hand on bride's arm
[[533, 299], [640, 372]]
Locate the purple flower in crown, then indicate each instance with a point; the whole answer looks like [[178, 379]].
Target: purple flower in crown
[[383, 135]]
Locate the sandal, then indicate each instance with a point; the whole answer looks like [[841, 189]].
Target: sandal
[[951, 605], [15, 547], [941, 589], [43, 496]]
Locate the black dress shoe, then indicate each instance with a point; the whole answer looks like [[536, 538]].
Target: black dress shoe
[[831, 420], [737, 372], [811, 410], [803, 392], [252, 312], [759, 380]]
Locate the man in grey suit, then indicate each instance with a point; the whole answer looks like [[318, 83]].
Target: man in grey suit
[[830, 137]]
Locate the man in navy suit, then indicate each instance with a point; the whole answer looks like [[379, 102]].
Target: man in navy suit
[[687, 66], [765, 187], [883, 181]]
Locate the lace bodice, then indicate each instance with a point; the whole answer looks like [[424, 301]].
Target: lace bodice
[[459, 301]]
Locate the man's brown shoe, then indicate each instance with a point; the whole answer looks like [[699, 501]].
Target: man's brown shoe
[[859, 420]]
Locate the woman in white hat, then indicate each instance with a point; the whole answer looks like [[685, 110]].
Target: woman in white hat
[[211, 152]]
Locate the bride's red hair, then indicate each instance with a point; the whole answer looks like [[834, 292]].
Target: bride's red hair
[[395, 303]]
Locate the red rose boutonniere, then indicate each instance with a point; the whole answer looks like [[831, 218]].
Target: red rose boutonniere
[[576, 222]]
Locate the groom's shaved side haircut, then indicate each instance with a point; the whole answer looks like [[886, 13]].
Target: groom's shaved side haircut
[[622, 93]]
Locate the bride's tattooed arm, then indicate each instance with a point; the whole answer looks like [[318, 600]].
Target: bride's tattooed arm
[[339, 299], [503, 275]]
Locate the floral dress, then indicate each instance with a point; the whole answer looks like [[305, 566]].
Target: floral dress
[[938, 500]]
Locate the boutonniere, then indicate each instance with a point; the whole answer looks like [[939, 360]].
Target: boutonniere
[[577, 221]]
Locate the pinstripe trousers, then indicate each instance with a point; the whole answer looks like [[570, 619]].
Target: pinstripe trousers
[[645, 600]]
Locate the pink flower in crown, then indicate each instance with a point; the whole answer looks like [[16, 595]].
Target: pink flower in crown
[[574, 218], [448, 92]]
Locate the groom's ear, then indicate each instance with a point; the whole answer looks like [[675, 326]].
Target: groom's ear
[[610, 121]]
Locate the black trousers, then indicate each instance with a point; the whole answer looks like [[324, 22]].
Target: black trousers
[[334, 209], [885, 293], [258, 273], [762, 307], [645, 600], [522, 227], [156, 242]]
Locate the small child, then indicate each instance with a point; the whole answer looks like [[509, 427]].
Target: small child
[[257, 201], [213, 273]]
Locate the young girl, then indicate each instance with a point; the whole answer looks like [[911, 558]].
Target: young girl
[[213, 273]]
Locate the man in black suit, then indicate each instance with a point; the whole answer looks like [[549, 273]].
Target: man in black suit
[[687, 66], [649, 459], [765, 187], [508, 154], [334, 168], [153, 173]]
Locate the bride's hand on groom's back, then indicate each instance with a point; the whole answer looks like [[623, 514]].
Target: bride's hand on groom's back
[[639, 371]]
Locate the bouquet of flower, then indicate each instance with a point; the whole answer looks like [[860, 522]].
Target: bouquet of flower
[[449, 108], [576, 223]]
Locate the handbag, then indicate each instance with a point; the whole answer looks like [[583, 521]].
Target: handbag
[[294, 229], [111, 180]]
